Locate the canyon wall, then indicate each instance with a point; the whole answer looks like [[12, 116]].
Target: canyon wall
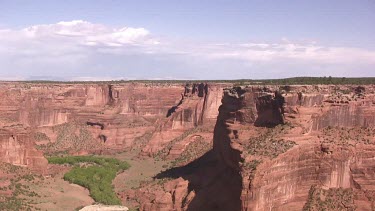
[[254, 147], [312, 151], [81, 118], [16, 147], [327, 142]]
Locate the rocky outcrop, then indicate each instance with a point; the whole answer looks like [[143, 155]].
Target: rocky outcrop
[[18, 148], [104, 208], [351, 115], [172, 197], [191, 112]]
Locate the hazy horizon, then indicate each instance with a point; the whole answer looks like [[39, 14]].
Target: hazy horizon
[[193, 40]]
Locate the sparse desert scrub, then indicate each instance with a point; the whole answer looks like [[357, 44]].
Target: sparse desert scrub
[[331, 199], [268, 144], [19, 192]]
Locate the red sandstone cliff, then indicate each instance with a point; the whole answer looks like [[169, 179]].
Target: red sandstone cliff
[[95, 118], [320, 158], [17, 147], [327, 142], [318, 152]]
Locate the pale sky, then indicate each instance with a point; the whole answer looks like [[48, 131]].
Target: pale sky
[[205, 39]]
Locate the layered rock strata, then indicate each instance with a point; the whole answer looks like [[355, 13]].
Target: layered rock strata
[[81, 118], [324, 144]]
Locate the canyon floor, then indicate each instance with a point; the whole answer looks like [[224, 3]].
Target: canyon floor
[[218, 146], [51, 192]]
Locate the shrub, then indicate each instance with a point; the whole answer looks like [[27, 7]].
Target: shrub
[[97, 178]]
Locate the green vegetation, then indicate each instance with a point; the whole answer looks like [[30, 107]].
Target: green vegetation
[[95, 174], [41, 137], [193, 151], [314, 80], [252, 165], [268, 144], [71, 136], [134, 209], [143, 139], [331, 199], [19, 199], [269, 148], [344, 136], [13, 203], [164, 152]]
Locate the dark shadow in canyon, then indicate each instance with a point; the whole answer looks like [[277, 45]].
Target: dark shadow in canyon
[[103, 138], [217, 186], [96, 124], [270, 110], [171, 111], [174, 108]]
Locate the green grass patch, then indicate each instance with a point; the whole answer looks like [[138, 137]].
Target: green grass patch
[[95, 174]]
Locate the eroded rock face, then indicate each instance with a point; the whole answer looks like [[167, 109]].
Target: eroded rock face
[[281, 176], [266, 155], [18, 148], [100, 118], [191, 112], [322, 154]]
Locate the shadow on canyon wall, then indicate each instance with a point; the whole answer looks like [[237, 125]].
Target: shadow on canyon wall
[[208, 178], [270, 110], [174, 108]]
